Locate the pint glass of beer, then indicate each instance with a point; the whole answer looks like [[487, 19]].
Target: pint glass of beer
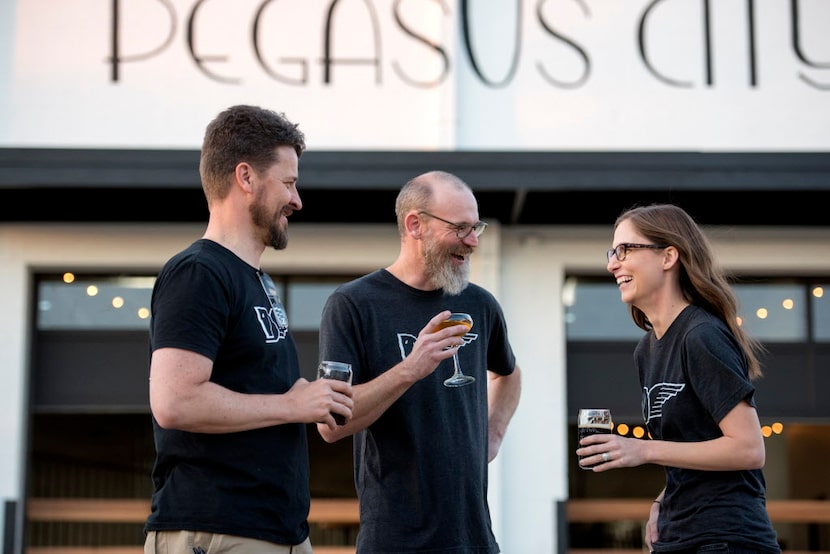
[[340, 371], [590, 422]]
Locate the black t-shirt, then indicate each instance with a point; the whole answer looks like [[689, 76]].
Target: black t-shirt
[[252, 483], [421, 468], [691, 378]]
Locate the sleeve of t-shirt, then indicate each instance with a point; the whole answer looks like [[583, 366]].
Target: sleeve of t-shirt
[[340, 334], [717, 370], [500, 357], [189, 310]]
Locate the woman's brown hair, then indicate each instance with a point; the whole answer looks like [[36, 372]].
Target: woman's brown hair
[[702, 281]]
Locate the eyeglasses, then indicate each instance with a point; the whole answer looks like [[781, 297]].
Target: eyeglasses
[[270, 288], [621, 250], [462, 230]]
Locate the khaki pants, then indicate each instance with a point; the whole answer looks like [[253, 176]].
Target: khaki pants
[[196, 542]]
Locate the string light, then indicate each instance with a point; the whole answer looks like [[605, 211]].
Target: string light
[[637, 431]]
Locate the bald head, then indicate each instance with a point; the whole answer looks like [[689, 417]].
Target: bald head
[[425, 191]]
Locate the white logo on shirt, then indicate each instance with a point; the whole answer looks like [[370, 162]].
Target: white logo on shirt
[[656, 396], [406, 340], [273, 322]]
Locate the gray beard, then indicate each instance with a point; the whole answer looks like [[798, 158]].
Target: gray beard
[[443, 274]]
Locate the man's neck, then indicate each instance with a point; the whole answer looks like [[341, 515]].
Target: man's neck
[[412, 274]]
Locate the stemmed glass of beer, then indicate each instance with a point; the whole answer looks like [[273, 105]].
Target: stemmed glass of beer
[[458, 379]]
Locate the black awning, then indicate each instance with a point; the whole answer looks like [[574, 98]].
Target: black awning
[[514, 188]]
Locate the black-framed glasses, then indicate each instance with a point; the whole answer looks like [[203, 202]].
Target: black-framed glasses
[[270, 288], [621, 250], [462, 230]]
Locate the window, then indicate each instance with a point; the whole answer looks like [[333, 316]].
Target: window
[[820, 303], [120, 302], [769, 311], [775, 312]]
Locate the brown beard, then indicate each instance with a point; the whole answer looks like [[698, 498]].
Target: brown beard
[[268, 222]]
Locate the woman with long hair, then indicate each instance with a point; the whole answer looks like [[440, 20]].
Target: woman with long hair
[[696, 366]]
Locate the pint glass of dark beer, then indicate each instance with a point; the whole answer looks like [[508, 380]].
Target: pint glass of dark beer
[[590, 422]]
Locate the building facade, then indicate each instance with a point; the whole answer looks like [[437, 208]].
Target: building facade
[[585, 111]]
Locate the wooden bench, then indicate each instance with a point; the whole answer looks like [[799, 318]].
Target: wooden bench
[[637, 509], [335, 511], [324, 512]]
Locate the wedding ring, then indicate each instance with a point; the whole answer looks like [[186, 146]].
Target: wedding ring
[[605, 457]]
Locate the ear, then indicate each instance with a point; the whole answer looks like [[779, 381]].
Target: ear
[[244, 176], [412, 224], [671, 257]]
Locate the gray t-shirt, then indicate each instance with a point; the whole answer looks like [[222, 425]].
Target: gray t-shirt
[[421, 468]]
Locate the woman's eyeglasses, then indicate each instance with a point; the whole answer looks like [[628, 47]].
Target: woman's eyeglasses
[[621, 250]]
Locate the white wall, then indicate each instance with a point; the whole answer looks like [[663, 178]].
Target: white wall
[[523, 267], [563, 75]]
